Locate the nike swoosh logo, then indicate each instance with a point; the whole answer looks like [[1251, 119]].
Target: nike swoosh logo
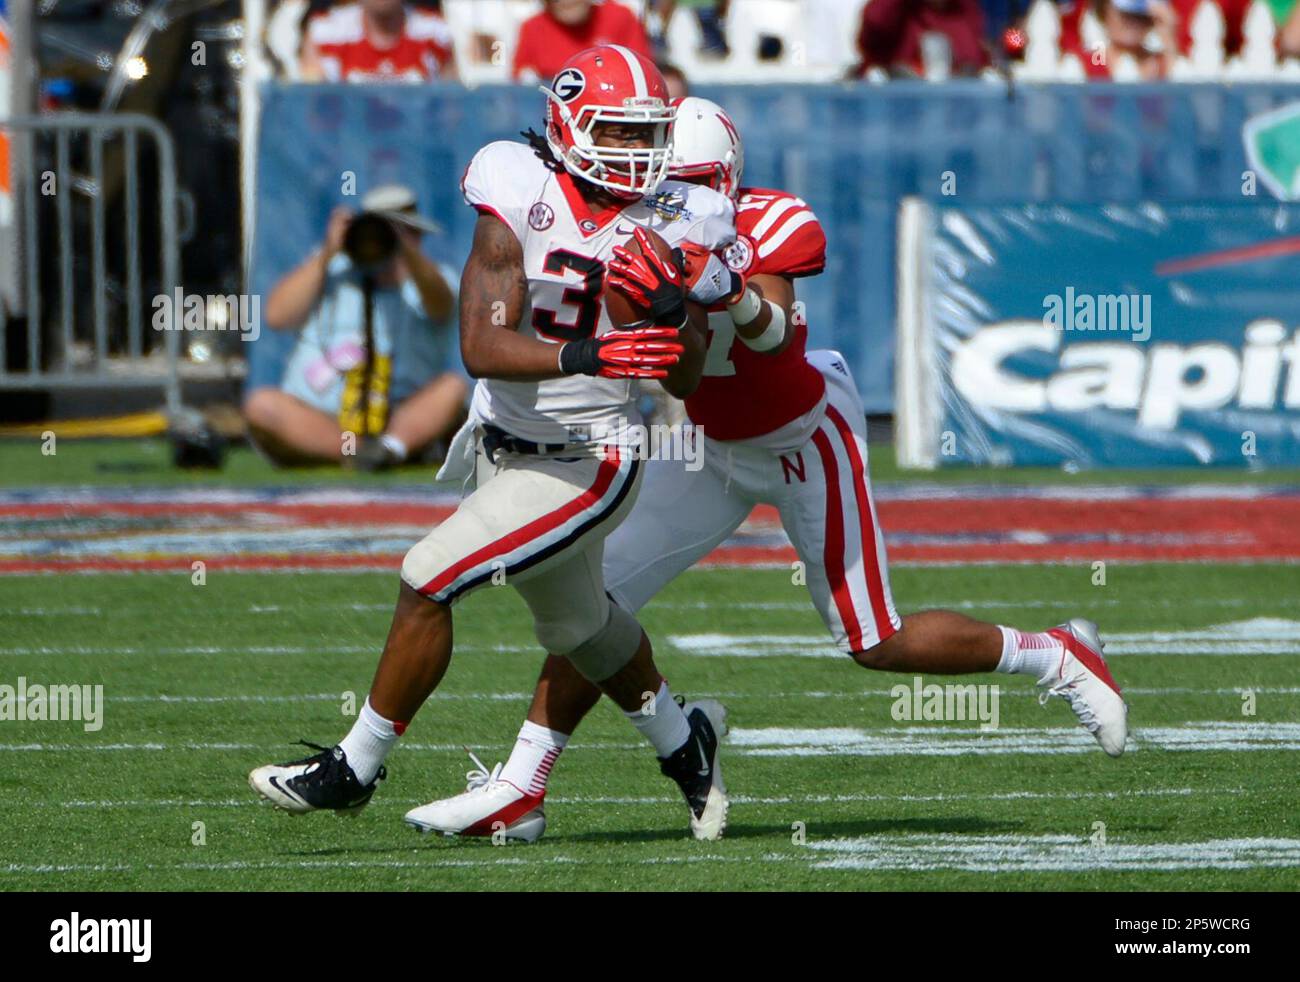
[[287, 792], [704, 757], [625, 231]]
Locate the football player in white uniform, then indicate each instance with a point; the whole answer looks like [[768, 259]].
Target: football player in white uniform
[[550, 416], [785, 428]]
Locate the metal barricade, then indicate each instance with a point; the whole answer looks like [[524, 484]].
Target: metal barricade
[[91, 266]]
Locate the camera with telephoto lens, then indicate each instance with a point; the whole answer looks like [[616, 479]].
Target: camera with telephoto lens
[[370, 241]]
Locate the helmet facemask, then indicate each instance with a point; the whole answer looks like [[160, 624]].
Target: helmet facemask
[[626, 171]]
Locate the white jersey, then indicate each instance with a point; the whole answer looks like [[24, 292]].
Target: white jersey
[[566, 247]]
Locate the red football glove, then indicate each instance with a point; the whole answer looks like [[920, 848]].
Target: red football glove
[[708, 279], [645, 353], [649, 281]]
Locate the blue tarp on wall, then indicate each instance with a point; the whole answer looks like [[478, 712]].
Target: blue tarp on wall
[[1108, 335], [851, 151]]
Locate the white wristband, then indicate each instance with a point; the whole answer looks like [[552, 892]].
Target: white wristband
[[746, 308], [772, 335]]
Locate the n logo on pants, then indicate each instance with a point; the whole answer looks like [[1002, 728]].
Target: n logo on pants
[[794, 467]]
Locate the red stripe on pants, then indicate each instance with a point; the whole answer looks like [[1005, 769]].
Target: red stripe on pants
[[870, 558], [833, 548], [536, 528]]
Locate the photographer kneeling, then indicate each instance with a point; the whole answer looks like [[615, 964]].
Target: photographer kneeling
[[378, 334]]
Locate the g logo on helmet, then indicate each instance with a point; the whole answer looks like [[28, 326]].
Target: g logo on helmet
[[569, 84]]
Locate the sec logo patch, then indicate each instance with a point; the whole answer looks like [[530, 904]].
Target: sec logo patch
[[739, 256], [540, 216]]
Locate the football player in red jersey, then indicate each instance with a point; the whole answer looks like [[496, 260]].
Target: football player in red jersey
[[553, 420], [782, 427]]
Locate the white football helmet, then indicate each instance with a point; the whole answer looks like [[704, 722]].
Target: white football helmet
[[706, 144]]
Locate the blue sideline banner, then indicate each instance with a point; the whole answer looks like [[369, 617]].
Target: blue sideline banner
[[853, 152], [1100, 336]]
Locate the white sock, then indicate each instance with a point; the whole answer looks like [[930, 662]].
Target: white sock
[[397, 446], [368, 743], [530, 763], [666, 727], [1029, 654]]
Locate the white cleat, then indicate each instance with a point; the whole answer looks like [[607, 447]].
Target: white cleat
[[698, 773], [488, 806], [324, 781], [1083, 680]]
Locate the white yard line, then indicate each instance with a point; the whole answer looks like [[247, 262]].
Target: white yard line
[[514, 859], [50, 611], [911, 604], [1257, 636], [312, 697], [603, 800], [1012, 691], [909, 853], [937, 740], [945, 740], [308, 649], [1049, 854], [280, 751]]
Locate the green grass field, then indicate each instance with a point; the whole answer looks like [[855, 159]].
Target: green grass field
[[204, 682]]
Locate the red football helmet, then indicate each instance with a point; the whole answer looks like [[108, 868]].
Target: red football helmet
[[610, 84]]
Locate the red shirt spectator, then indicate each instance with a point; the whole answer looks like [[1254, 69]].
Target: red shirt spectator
[[565, 27], [373, 40], [1126, 25], [892, 29], [1234, 12]]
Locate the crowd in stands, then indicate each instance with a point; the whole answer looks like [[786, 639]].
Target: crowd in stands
[[817, 40]]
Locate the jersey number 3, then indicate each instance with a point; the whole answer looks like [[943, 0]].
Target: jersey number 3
[[586, 297]]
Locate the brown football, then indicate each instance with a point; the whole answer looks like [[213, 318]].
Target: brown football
[[622, 309]]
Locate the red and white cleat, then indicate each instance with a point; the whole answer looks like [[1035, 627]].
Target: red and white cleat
[[1083, 680], [488, 806]]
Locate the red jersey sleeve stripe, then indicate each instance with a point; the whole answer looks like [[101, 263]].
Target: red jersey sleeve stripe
[[773, 213], [773, 242]]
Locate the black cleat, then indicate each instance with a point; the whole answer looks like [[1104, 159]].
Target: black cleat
[[324, 781], [695, 768]]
